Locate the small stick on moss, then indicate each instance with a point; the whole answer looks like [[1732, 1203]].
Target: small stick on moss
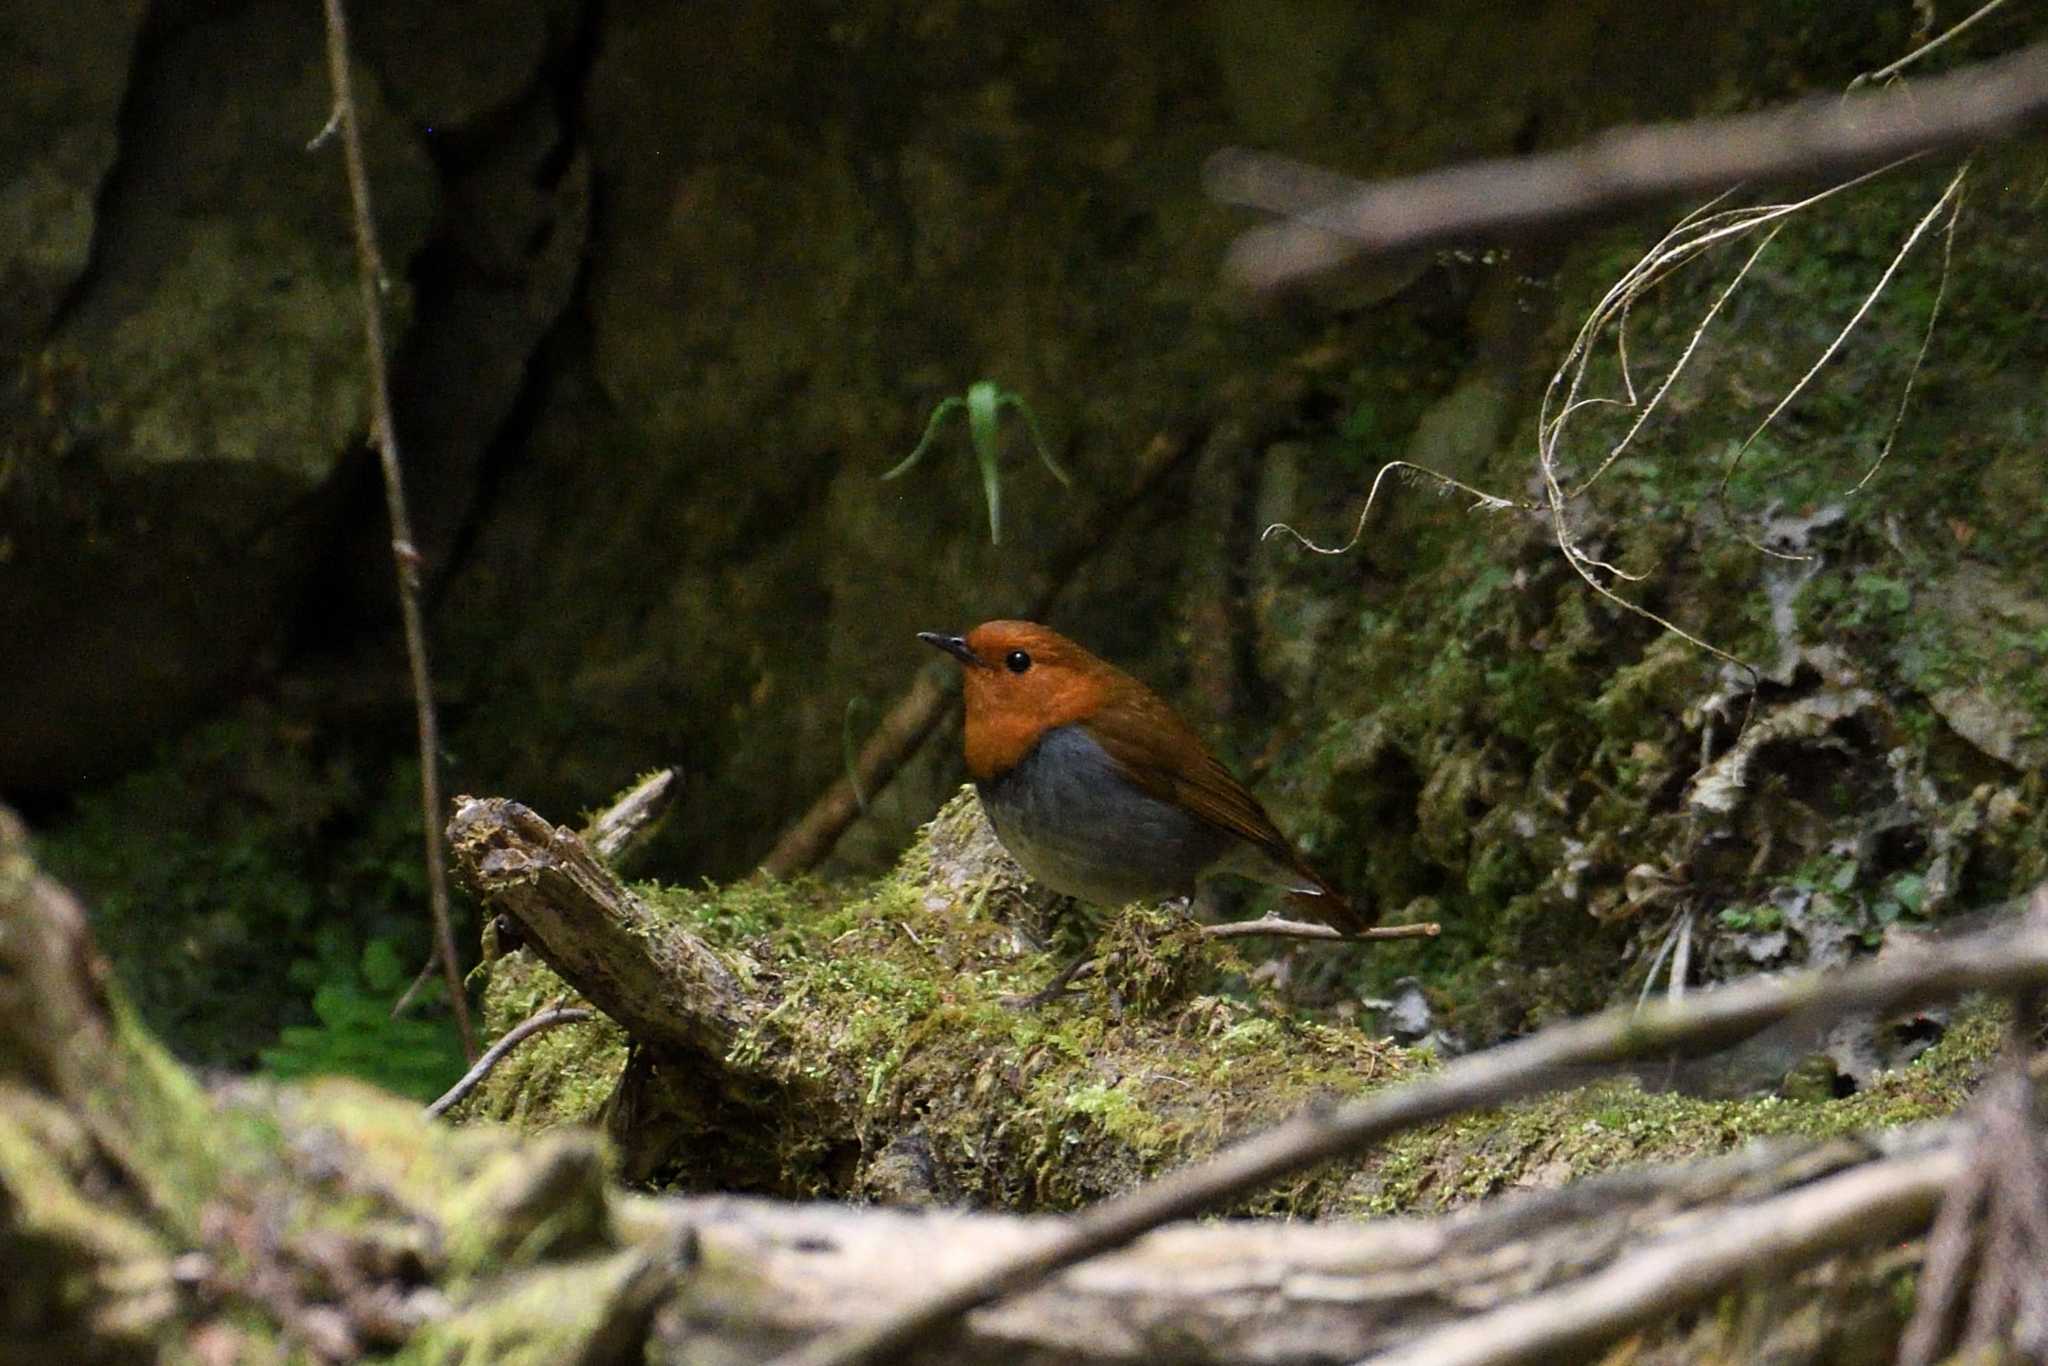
[[1271, 927], [518, 1034], [1274, 928], [403, 551]]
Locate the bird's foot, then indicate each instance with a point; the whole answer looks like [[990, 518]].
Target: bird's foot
[[1053, 990]]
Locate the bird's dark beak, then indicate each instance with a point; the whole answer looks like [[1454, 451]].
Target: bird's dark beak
[[955, 646]]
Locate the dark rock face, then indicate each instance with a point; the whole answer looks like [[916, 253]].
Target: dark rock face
[[189, 395], [68, 68], [196, 379]]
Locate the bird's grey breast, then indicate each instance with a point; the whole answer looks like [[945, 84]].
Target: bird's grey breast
[[1070, 816]]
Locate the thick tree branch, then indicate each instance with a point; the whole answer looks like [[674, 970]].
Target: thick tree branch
[[1335, 219], [1510, 1280]]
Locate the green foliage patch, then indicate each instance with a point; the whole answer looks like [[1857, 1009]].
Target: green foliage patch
[[263, 902]]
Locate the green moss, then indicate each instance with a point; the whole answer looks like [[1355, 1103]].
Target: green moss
[[1501, 748], [561, 1076]]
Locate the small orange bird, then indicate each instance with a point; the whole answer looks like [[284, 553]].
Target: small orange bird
[[1100, 790]]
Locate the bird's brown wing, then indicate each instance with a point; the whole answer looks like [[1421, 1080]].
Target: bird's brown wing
[[1211, 792]]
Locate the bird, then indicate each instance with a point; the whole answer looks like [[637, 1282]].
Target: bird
[[1098, 787]]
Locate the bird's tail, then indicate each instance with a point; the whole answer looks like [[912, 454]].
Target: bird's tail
[[1333, 908], [1281, 865]]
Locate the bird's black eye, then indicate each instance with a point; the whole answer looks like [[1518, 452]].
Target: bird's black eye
[[1017, 661]]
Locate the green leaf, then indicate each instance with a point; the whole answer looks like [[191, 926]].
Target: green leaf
[[930, 427]]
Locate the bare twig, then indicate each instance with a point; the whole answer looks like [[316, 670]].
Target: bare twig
[[1482, 502], [1999, 960], [1951, 194], [1931, 45], [1948, 254], [403, 551], [499, 1051], [419, 984], [1818, 138], [1271, 927]]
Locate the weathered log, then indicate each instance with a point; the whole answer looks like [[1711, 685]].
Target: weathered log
[[721, 1080], [1522, 1279], [662, 983]]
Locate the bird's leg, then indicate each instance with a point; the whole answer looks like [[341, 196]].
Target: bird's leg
[[1054, 989]]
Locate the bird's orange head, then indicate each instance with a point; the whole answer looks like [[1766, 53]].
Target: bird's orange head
[[1022, 680]]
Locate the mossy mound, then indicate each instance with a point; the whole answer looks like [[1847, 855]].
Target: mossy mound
[[886, 1060]]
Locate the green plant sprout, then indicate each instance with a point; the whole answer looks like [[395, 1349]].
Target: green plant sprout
[[984, 402]]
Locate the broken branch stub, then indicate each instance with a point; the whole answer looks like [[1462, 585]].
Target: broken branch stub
[[665, 985]]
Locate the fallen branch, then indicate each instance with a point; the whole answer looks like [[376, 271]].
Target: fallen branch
[[1336, 220], [665, 986], [1572, 1265], [1859, 1208], [2006, 959], [499, 1051]]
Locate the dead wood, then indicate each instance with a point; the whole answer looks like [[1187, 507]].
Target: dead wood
[[665, 985], [141, 1216], [2011, 958], [144, 1219], [1524, 1278], [633, 816]]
